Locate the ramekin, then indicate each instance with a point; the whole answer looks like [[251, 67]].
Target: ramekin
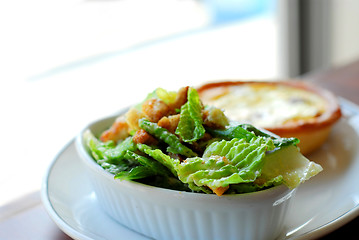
[[168, 214]]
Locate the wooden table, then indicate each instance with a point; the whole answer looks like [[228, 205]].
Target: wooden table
[[27, 218]]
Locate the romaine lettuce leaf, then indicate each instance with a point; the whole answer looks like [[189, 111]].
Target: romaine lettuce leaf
[[226, 162], [156, 167], [124, 165], [117, 154], [239, 151], [247, 131], [161, 157], [175, 145], [137, 172], [254, 186], [168, 97], [232, 132], [159, 93], [190, 126], [99, 151], [96, 147], [278, 142], [289, 163], [212, 172], [108, 151]]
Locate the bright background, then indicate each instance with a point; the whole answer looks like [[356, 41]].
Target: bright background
[[66, 63]]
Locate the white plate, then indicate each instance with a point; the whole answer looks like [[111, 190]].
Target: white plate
[[321, 205]]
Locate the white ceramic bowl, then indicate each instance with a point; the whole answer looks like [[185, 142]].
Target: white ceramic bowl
[[168, 214]]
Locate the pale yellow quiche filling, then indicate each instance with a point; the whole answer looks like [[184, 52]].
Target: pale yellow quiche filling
[[266, 105]]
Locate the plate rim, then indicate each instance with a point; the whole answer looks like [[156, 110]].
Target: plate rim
[[46, 201]]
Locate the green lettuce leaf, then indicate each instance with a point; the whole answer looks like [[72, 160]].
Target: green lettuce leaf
[[289, 163], [161, 157], [168, 97], [247, 131], [239, 151], [175, 145], [96, 147], [278, 142], [226, 162], [124, 165], [108, 151], [117, 154], [254, 186], [169, 182], [156, 167], [100, 152], [212, 172], [137, 172], [159, 93], [231, 132], [190, 126]]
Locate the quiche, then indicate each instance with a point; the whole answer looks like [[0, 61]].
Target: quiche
[[290, 108]]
